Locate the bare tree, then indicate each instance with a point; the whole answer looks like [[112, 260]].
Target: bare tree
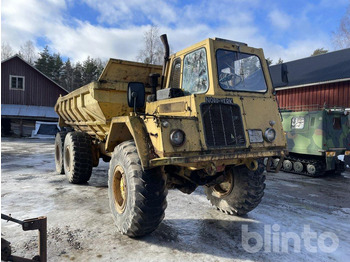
[[27, 52], [153, 52], [6, 51], [341, 38]]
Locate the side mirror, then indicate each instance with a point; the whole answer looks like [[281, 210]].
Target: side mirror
[[136, 94]]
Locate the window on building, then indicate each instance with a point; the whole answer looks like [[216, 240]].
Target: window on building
[[17, 82]]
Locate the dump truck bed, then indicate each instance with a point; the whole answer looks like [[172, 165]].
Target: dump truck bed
[[92, 107]]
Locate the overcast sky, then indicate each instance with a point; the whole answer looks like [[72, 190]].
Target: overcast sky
[[114, 28]]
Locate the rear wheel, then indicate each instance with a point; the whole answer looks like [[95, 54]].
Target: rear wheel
[[59, 142], [241, 191], [77, 157], [137, 197]]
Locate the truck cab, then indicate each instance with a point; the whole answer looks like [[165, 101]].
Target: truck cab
[[219, 108]]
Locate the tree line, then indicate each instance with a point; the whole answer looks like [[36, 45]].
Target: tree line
[[65, 73]]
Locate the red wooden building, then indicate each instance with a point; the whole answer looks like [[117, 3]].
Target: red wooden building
[[27, 96], [322, 80]]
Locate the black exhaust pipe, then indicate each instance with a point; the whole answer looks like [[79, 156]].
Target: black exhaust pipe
[[164, 40]]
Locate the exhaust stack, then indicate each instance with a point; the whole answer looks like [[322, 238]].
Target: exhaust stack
[[164, 40]]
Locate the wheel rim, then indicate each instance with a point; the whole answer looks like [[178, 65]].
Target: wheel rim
[[119, 189], [57, 153], [225, 188], [287, 165], [298, 166], [67, 158], [311, 169], [275, 162]]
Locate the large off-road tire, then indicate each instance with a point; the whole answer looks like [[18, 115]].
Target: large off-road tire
[[77, 157], [137, 197], [241, 192], [59, 142]]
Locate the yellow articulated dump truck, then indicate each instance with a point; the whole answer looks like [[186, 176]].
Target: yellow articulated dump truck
[[205, 118]]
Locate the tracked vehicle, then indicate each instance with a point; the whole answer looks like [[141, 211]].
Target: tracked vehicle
[[316, 136], [211, 119]]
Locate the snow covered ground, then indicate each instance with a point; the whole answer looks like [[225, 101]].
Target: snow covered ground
[[299, 219]]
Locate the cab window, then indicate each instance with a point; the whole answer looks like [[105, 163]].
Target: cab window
[[175, 74], [240, 72], [195, 73], [298, 122]]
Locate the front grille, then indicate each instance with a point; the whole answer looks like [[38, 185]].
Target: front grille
[[223, 125]]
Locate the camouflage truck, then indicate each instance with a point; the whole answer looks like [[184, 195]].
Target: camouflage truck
[[211, 119], [316, 137]]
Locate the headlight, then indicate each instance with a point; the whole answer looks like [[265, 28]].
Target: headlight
[[177, 137], [270, 134]]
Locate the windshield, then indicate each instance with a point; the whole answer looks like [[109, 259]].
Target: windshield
[[240, 72]]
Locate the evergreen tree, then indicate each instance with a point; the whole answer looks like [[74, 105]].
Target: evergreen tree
[[66, 74], [50, 65], [56, 68], [67, 77], [89, 71], [44, 62], [77, 76], [92, 69]]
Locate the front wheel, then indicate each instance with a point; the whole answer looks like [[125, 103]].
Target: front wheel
[[137, 197], [241, 191]]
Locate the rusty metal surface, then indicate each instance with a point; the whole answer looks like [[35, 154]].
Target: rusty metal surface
[[199, 160], [39, 223]]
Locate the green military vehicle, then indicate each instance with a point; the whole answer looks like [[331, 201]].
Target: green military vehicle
[[315, 137], [209, 122]]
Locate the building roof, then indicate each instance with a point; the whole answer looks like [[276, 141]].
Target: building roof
[[320, 69], [12, 57], [28, 111]]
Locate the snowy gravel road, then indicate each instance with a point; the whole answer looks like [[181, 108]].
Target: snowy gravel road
[[299, 219]]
